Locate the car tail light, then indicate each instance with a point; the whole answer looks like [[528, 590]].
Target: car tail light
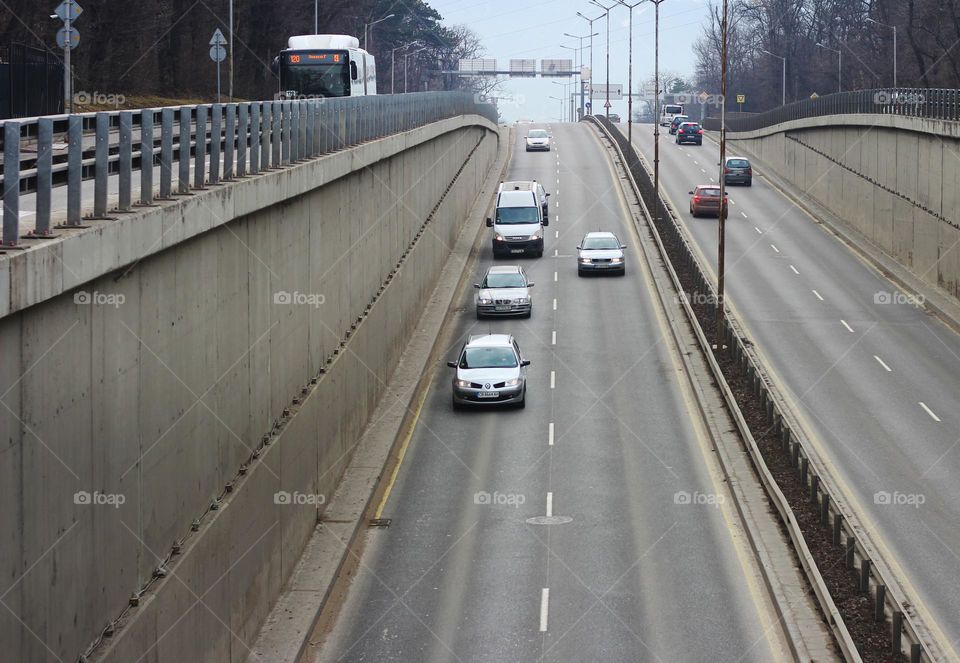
[[749, 171], [699, 131], [726, 171], [696, 199]]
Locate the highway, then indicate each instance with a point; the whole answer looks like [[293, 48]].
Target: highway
[[605, 445], [876, 379]]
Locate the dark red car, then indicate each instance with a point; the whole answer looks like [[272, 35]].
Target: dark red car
[[705, 199]]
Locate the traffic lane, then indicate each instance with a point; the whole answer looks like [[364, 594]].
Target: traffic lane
[[459, 505], [622, 462], [869, 418]]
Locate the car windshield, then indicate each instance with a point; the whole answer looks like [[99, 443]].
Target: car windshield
[[486, 357], [600, 243], [669, 110], [504, 281], [537, 133], [679, 119], [738, 163], [690, 126], [515, 215]]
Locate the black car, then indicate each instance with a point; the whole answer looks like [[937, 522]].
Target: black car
[[737, 170], [677, 121], [689, 132]]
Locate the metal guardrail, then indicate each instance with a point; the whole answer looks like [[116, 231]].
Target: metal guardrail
[[910, 636], [930, 103], [248, 138]]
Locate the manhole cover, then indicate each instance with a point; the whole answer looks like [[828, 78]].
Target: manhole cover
[[549, 520]]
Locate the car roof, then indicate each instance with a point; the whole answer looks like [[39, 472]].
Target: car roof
[[710, 186], [490, 340], [504, 269], [690, 122], [600, 233], [519, 185], [737, 159], [516, 199]]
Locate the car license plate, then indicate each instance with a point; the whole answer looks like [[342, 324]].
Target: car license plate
[[516, 250], [503, 308], [488, 394]]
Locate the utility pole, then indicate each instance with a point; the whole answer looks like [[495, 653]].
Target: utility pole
[[606, 106], [894, 28], [630, 74], [316, 17], [718, 331], [783, 94], [592, 34], [230, 46]]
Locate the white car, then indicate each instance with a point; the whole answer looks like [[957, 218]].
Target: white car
[[600, 252], [504, 290], [538, 140]]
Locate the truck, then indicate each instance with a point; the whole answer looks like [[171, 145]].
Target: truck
[[320, 66]]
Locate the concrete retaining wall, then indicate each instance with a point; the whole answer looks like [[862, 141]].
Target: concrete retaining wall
[[156, 381], [894, 180]]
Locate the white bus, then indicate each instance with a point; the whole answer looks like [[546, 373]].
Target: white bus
[[668, 112], [325, 66]]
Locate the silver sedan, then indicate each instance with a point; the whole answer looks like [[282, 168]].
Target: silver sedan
[[504, 291]]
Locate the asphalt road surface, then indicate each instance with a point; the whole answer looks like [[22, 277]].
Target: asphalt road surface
[[876, 378], [607, 441]]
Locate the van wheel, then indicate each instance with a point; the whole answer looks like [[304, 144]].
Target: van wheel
[[523, 401]]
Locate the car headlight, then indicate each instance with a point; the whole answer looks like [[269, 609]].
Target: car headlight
[[616, 260], [537, 235], [522, 300], [497, 237], [585, 261], [512, 383], [462, 383], [485, 300]]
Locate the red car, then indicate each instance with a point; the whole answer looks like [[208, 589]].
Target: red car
[[705, 199]]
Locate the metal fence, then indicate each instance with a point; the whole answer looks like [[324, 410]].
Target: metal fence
[[220, 141], [931, 103], [31, 82]]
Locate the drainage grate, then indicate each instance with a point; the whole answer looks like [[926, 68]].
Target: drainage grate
[[380, 522]]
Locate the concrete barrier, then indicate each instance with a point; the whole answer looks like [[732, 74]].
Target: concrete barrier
[[182, 386], [891, 179]]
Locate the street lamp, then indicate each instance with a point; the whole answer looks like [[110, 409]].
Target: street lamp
[[839, 64], [405, 56], [580, 66], [367, 26], [561, 106], [630, 74], [722, 220], [316, 17], [590, 21], [894, 28], [566, 97], [606, 12], [393, 61], [783, 96]]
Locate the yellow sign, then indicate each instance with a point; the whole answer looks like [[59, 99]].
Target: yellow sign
[[741, 98], [814, 96]]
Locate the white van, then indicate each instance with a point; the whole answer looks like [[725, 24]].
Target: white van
[[518, 224], [538, 190], [668, 112]]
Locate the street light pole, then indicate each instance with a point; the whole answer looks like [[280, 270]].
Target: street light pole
[[783, 96], [231, 50], [721, 249], [839, 64], [894, 28], [561, 106], [367, 26], [592, 35], [316, 17], [405, 56], [630, 74], [606, 106], [580, 57]]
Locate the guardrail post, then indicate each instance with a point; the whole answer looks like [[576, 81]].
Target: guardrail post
[[276, 137], [824, 509], [879, 603], [309, 108], [243, 135], [837, 529], [229, 142], [265, 122], [146, 156], [295, 125], [200, 153], [11, 183], [916, 652], [254, 138], [166, 153], [804, 464], [285, 126], [864, 575], [184, 147], [216, 142], [44, 175], [814, 486], [74, 169], [303, 151], [896, 633], [125, 162], [101, 166], [851, 548]]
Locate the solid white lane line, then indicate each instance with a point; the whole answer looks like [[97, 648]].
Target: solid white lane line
[[553, 338], [544, 608], [550, 435], [929, 411], [794, 270], [772, 246], [818, 295], [849, 328], [731, 201], [554, 304], [549, 505], [884, 364], [744, 215], [553, 379], [759, 232]]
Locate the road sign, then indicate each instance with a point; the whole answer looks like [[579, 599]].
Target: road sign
[[585, 73], [600, 90], [741, 98], [68, 10], [607, 104], [814, 96], [703, 97], [68, 42], [556, 67], [478, 65], [523, 67], [218, 39], [218, 53]]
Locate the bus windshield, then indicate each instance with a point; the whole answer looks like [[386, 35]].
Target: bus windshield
[[315, 73]]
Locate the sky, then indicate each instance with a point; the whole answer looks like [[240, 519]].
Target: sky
[[534, 29]]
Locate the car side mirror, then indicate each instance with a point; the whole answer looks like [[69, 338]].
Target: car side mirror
[[579, 249], [525, 362], [547, 195], [623, 246], [452, 364], [531, 284], [690, 192], [489, 222], [546, 222], [476, 285]]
